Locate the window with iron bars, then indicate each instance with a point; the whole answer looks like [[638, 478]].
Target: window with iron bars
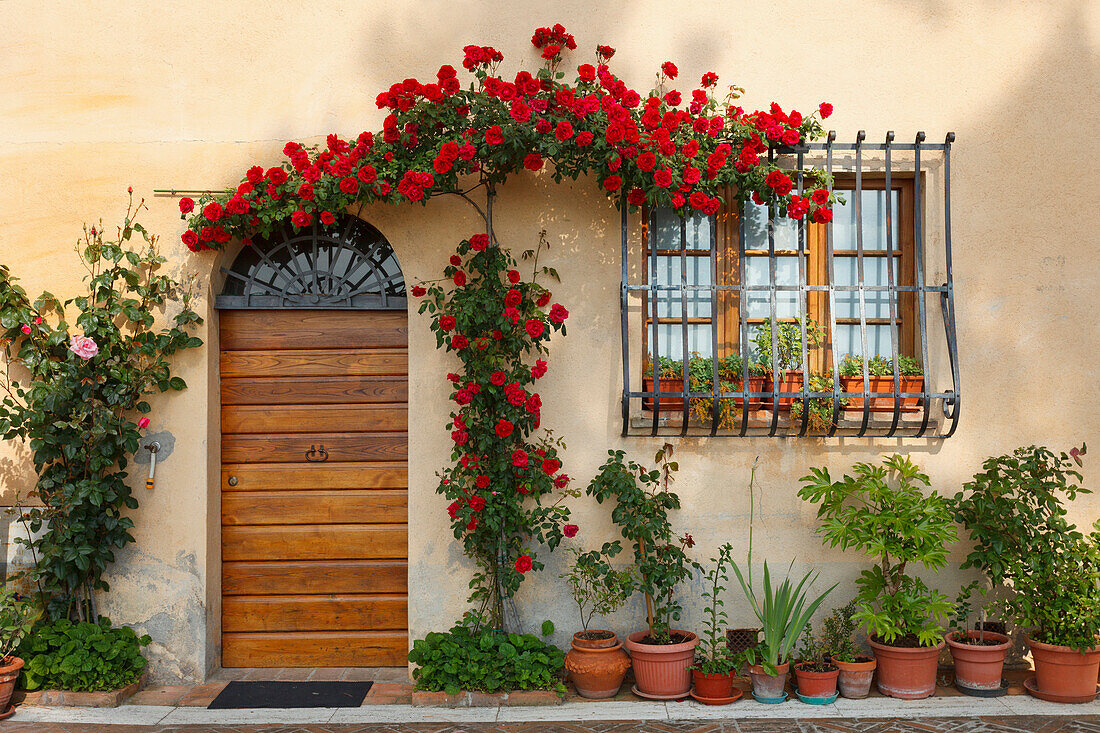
[[861, 308]]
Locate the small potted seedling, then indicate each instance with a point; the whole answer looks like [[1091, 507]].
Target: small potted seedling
[[979, 654], [714, 664], [815, 671], [597, 662]]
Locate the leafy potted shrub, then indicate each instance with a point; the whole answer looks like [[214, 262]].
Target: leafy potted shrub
[[701, 379], [815, 670], [979, 655], [782, 613], [856, 669], [880, 378], [785, 375], [883, 511], [670, 378], [17, 617], [597, 661], [1013, 510], [661, 654], [715, 665], [821, 408]]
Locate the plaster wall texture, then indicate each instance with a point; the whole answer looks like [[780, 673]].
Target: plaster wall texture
[[99, 97]]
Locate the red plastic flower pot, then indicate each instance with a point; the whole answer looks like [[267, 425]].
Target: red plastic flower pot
[[713, 686], [1065, 672], [662, 670], [816, 684], [978, 666], [907, 673]]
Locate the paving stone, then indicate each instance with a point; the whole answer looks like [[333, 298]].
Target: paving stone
[[160, 695], [202, 695]]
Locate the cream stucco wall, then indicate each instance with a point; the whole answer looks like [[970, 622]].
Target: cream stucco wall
[[99, 97]]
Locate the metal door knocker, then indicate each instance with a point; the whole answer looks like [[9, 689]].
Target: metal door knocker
[[316, 455]]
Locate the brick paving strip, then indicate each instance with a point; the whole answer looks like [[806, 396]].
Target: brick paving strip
[[985, 724]]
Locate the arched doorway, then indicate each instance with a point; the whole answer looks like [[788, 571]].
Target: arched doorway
[[314, 425]]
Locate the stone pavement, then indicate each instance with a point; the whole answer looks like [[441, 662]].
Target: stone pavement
[[992, 724]]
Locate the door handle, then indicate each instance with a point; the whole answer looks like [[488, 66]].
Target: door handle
[[316, 454]]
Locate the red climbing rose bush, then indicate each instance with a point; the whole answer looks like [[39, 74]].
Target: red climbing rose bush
[[660, 148], [505, 483]]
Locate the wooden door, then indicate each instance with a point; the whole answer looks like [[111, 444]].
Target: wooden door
[[314, 421]]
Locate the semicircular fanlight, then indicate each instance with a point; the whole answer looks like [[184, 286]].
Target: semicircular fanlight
[[347, 264]]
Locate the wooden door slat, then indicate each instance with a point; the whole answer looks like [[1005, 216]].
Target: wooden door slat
[[315, 542], [273, 577], [314, 418], [293, 448], [328, 475], [315, 363], [313, 390], [315, 613], [308, 329], [316, 649], [315, 507]]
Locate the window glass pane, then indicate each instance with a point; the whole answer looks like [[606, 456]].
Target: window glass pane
[[758, 272], [671, 340], [698, 301], [846, 272], [849, 342], [756, 229], [666, 230], [874, 220]]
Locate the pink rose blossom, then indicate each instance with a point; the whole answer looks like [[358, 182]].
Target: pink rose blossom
[[143, 423], [25, 328], [83, 347]]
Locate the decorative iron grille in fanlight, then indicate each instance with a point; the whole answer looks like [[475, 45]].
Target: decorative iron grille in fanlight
[[751, 324], [345, 265]]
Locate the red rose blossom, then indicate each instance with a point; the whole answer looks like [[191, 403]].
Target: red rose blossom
[[494, 135], [459, 278], [513, 276], [826, 109], [534, 327], [533, 162], [519, 458], [186, 205], [418, 291], [300, 218], [663, 178], [447, 323], [570, 530], [539, 369], [478, 242], [523, 563], [327, 217], [212, 211], [503, 428], [558, 313], [458, 341]]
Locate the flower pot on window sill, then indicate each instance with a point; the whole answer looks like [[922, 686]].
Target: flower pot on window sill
[[883, 383], [754, 384], [789, 381], [667, 402]]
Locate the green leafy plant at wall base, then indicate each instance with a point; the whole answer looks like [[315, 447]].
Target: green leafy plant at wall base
[[486, 661], [84, 657]]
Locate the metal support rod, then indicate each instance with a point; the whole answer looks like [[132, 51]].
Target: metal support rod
[[860, 136], [714, 386], [655, 310], [830, 266], [918, 216], [776, 378], [624, 317], [948, 296], [803, 307], [685, 384], [893, 295]]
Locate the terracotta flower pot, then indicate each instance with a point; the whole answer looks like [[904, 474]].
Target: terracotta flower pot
[[1065, 672], [978, 667], [769, 685], [790, 381], [662, 670], [908, 673], [816, 684], [755, 384], [663, 385], [9, 672], [855, 677], [597, 666], [883, 383], [713, 686]]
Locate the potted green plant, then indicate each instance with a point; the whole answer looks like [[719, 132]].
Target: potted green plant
[[597, 662], [979, 654], [17, 617], [1014, 512], [815, 670], [880, 378], [701, 371], [785, 374], [856, 669], [821, 408], [661, 654], [883, 511], [782, 612], [670, 378], [714, 664]]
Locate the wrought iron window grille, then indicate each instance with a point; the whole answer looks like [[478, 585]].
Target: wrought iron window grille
[[936, 413], [345, 265]]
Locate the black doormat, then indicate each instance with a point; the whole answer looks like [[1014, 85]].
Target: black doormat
[[242, 695]]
